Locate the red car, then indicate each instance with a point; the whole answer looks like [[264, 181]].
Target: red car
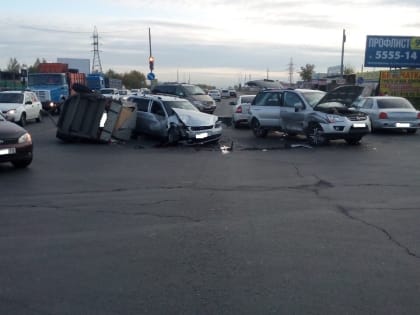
[[15, 144]]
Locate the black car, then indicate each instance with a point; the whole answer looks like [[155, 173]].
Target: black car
[[15, 144]]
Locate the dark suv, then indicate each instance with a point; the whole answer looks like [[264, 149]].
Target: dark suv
[[190, 92]]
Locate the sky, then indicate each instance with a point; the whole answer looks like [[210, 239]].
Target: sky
[[215, 42]]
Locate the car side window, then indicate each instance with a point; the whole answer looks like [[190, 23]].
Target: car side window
[[179, 91], [157, 109], [268, 99], [367, 104], [292, 100], [142, 104]]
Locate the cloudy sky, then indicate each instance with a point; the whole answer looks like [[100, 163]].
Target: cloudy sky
[[216, 42]]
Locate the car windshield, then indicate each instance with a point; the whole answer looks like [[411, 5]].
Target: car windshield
[[180, 104], [247, 98], [11, 98], [46, 79], [313, 97], [193, 90], [394, 103]]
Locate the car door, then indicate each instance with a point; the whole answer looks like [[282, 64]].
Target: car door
[[142, 105], [292, 112], [29, 106], [156, 120], [266, 108]]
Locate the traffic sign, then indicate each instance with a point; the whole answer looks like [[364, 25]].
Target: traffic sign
[[150, 76]]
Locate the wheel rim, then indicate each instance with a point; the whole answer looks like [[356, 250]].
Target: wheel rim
[[257, 128], [315, 135]]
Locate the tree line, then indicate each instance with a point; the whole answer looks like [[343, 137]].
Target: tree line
[[131, 80]]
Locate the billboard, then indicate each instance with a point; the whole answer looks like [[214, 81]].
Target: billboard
[[404, 83], [392, 51]]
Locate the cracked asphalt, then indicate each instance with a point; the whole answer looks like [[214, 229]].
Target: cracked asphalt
[[249, 226]]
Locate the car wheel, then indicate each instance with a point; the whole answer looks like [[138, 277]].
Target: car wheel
[[354, 140], [173, 135], [258, 131], [372, 130], [22, 120], [412, 130], [22, 163], [315, 134], [39, 118]]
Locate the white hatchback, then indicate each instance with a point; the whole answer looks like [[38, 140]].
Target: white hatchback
[[20, 106]]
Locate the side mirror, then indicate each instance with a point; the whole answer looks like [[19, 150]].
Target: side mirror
[[298, 107]]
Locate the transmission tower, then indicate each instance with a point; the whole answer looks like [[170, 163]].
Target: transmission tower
[[96, 62]]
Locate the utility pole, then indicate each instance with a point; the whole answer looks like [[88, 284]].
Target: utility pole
[[342, 53], [291, 70]]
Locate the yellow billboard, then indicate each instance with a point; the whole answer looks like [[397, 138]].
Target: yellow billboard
[[404, 83]]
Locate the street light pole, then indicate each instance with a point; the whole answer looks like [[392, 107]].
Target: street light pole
[[342, 53]]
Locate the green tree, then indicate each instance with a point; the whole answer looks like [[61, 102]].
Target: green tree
[[113, 75], [348, 70], [13, 66], [34, 67], [134, 80], [307, 72]]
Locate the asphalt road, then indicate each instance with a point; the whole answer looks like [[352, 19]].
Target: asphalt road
[[268, 227]]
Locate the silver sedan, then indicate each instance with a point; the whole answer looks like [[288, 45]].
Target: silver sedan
[[390, 112]]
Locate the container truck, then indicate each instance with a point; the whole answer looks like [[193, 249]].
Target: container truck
[[53, 84]]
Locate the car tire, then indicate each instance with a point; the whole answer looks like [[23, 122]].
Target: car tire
[[353, 140], [22, 163], [22, 120], [412, 130], [258, 131], [314, 134], [173, 135], [39, 118]]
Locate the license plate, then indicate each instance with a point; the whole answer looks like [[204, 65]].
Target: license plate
[[7, 151], [201, 135], [359, 125], [402, 125]]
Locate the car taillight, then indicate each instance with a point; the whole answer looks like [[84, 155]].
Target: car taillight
[[383, 115], [238, 109], [418, 115]]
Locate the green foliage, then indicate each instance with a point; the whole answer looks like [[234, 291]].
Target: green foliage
[[307, 72], [13, 65], [134, 80]]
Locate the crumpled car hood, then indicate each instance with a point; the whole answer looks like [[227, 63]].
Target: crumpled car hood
[[345, 94], [195, 118]]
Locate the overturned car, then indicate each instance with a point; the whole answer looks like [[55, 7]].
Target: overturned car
[[173, 119]]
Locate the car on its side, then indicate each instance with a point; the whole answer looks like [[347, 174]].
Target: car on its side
[[15, 144], [191, 92], [215, 94], [240, 116], [173, 119], [327, 117], [20, 106], [390, 112]]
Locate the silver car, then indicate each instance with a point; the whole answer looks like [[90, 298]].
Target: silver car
[[329, 119], [390, 112], [174, 119]]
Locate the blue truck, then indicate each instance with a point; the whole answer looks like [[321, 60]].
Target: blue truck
[[98, 81], [53, 84]]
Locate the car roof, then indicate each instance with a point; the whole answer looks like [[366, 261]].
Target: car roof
[[15, 92], [158, 97]]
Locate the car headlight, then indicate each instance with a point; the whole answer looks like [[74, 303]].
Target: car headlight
[[25, 138], [218, 124], [11, 112], [335, 118], [51, 104]]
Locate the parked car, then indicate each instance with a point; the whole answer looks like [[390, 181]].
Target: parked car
[[390, 112], [20, 106], [224, 93], [215, 94], [174, 119], [241, 113], [320, 117], [15, 144], [110, 93], [193, 93]]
